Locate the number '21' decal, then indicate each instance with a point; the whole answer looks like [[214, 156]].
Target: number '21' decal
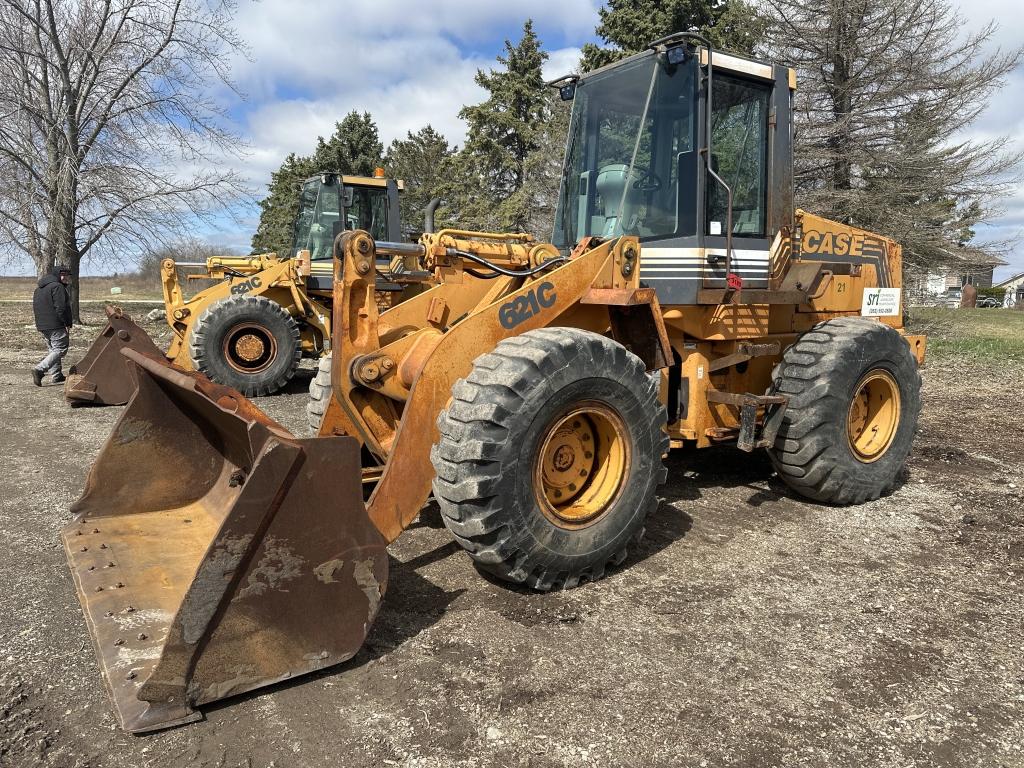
[[526, 306]]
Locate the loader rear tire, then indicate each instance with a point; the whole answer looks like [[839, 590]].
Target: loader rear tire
[[549, 456], [319, 394], [247, 342], [854, 397]]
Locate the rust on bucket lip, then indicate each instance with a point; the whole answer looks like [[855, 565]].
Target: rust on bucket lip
[[214, 553]]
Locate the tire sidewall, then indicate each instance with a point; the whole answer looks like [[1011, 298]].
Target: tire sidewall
[[877, 348], [221, 319], [601, 538], [890, 462]]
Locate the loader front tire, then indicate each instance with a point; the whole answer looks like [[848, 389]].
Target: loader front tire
[[247, 342], [549, 457], [319, 394], [854, 397]]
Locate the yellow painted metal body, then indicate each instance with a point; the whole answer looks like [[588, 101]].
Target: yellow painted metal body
[[283, 281], [702, 334], [390, 351]]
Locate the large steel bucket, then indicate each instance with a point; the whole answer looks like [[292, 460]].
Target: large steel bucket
[[104, 376], [214, 553]]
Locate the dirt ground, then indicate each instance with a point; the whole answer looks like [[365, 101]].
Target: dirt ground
[[750, 628]]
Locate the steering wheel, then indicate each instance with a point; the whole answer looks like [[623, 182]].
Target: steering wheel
[[647, 181]]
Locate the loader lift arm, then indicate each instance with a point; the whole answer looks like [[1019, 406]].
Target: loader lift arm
[[572, 293]]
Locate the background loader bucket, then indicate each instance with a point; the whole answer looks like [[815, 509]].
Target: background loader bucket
[[104, 376], [214, 553]]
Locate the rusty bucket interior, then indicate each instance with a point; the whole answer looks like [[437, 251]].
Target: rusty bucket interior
[[214, 553], [104, 376]]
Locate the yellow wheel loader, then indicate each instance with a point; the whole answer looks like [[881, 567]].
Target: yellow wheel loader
[[533, 390], [251, 328]]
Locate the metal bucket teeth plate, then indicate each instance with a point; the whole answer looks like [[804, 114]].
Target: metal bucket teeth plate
[[213, 553], [103, 376]]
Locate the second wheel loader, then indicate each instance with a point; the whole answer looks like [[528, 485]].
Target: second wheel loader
[[265, 312], [533, 391]]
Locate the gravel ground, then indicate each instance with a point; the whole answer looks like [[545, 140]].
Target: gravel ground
[[750, 628]]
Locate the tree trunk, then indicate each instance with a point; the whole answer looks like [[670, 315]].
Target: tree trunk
[[62, 232]]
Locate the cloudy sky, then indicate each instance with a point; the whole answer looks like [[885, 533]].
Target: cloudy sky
[[411, 62]]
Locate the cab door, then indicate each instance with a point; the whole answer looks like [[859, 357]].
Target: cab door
[[740, 138]]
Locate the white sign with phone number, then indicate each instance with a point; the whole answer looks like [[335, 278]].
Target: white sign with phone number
[[881, 302]]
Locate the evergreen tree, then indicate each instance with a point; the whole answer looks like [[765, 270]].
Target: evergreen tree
[[502, 132], [278, 209], [539, 193], [877, 113], [354, 148], [424, 161], [629, 26]]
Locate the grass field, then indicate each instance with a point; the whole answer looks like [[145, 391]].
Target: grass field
[[133, 287], [995, 335]]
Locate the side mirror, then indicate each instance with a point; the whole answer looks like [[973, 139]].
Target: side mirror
[[347, 197], [567, 92]]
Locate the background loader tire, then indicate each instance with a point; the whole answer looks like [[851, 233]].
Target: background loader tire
[[319, 394], [855, 395], [247, 342], [515, 481]]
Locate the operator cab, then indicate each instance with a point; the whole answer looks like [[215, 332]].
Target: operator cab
[[637, 163], [330, 203]]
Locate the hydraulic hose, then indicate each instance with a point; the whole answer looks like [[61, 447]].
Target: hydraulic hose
[[501, 270]]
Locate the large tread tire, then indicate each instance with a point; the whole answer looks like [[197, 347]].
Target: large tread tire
[[493, 428], [207, 344], [319, 394], [819, 373]]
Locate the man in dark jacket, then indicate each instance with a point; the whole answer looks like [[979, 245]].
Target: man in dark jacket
[[51, 304]]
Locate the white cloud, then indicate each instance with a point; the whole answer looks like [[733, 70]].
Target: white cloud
[[407, 63], [561, 62]]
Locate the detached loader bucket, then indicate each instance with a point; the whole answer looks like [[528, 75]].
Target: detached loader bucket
[[214, 553], [104, 376]]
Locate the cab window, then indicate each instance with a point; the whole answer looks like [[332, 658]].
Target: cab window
[[739, 154]]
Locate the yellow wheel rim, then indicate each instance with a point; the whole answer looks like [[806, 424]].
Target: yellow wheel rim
[[874, 416], [582, 465]]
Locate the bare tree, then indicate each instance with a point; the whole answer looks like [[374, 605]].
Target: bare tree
[[886, 91], [111, 136], [188, 249]]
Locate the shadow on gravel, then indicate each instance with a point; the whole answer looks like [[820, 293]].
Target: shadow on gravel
[[299, 383]]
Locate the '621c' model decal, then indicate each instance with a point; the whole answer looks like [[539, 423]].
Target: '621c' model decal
[[523, 307], [246, 285]]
